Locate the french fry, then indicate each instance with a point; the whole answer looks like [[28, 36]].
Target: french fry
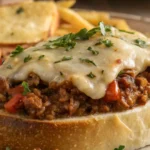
[[61, 32], [118, 23], [94, 17], [66, 4], [74, 18], [68, 27], [65, 29]]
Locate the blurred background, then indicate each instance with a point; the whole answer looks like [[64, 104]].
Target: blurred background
[[137, 7]]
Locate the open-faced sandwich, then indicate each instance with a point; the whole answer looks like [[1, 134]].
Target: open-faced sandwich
[[82, 91]]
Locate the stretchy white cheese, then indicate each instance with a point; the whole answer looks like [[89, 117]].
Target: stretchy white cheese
[[90, 72]]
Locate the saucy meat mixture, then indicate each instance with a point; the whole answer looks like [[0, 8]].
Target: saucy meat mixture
[[41, 100]]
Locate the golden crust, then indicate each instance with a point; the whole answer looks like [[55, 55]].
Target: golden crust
[[99, 132]]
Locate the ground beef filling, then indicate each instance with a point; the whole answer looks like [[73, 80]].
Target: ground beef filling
[[61, 100]]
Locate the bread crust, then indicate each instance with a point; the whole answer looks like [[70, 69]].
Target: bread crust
[[97, 132]]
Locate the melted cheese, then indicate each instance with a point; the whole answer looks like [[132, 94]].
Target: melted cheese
[[26, 22], [109, 62]]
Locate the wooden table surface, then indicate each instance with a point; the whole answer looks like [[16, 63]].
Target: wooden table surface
[[137, 7]]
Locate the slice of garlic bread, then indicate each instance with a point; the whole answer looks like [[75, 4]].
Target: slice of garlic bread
[[27, 22]]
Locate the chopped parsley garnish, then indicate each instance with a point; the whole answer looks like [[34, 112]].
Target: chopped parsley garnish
[[87, 61], [9, 67], [28, 58], [107, 43], [65, 58], [107, 28], [82, 34], [126, 31], [91, 75], [26, 88], [94, 52], [99, 42], [102, 28], [121, 72], [19, 10], [140, 43], [121, 147], [17, 51], [67, 41], [91, 32], [7, 148], [41, 56]]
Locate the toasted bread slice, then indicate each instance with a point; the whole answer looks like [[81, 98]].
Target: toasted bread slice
[[95, 132], [27, 22]]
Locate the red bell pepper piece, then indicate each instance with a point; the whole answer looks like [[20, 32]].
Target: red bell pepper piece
[[112, 92], [11, 105]]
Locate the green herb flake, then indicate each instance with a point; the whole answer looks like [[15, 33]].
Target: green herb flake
[[87, 61], [121, 72], [28, 58], [82, 34], [19, 10], [121, 147], [41, 56], [102, 28], [107, 43], [94, 52], [126, 31], [67, 41], [47, 46], [107, 28], [17, 51], [65, 58], [91, 75], [140, 43], [93, 31], [9, 67], [99, 42], [26, 88]]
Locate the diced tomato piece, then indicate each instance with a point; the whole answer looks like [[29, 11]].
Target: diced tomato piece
[[16, 90], [11, 105], [112, 92]]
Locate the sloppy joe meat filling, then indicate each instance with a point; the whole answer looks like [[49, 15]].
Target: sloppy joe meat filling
[[41, 100]]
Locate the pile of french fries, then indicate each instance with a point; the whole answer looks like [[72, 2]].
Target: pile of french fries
[[72, 20]]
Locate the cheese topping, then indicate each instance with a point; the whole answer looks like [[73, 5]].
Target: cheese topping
[[90, 64]]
